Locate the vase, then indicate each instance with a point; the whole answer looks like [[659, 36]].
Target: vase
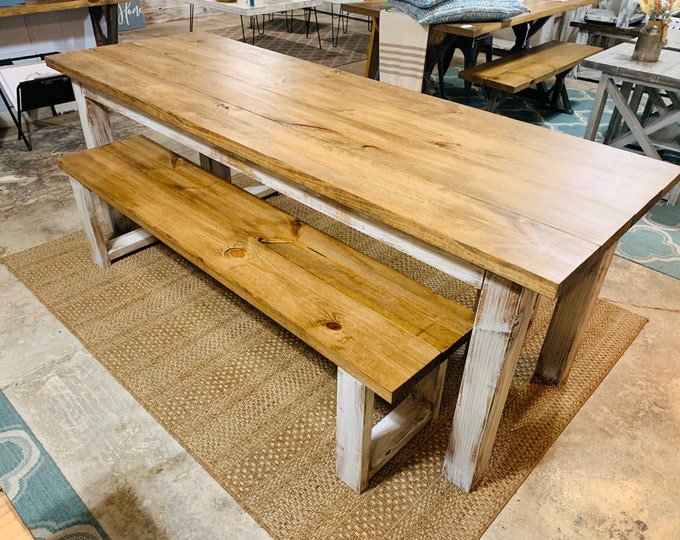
[[651, 40]]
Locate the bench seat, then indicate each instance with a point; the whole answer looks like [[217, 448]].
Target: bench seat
[[518, 71], [387, 334]]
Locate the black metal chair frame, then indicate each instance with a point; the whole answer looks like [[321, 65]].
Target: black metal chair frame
[[36, 93]]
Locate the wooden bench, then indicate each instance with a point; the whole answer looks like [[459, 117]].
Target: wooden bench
[[387, 334], [518, 71]]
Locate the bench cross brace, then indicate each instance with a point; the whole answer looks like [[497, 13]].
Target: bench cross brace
[[361, 450]]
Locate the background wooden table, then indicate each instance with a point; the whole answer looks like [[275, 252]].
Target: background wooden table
[[658, 81]]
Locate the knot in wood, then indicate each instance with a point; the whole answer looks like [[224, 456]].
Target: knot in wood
[[332, 325], [237, 253]]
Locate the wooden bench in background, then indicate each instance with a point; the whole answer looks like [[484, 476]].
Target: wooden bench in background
[[387, 334], [518, 71]]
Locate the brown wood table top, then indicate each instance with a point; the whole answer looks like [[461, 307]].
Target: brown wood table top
[[46, 6], [529, 204]]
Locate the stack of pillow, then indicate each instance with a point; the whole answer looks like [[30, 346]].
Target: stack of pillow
[[448, 11]]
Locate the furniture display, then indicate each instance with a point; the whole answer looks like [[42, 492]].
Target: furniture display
[[443, 53], [516, 72], [343, 20], [606, 35], [383, 331], [370, 9], [253, 8], [511, 208], [404, 42], [650, 123]]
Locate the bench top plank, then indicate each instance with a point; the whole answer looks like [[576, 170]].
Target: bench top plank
[[379, 326], [479, 186], [515, 72]]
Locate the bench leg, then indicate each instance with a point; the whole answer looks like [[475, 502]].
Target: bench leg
[[353, 431], [104, 251], [86, 203], [492, 98], [361, 451]]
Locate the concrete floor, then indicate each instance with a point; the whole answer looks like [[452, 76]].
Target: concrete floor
[[613, 473]]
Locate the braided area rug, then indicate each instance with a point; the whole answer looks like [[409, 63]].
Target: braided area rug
[[256, 407]]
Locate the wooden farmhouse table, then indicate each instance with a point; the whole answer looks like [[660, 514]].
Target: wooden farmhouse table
[[97, 8], [514, 209]]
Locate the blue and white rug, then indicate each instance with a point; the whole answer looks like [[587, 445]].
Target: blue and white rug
[[654, 241], [41, 495]]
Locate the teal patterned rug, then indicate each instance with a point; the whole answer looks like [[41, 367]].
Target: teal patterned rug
[[654, 241], [41, 495]]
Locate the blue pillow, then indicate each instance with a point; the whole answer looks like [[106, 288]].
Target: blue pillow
[[448, 11]]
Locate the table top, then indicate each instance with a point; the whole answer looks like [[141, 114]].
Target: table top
[[618, 61], [529, 204], [257, 7], [46, 6], [539, 9]]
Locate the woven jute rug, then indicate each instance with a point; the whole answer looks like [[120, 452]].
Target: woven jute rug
[[256, 407]]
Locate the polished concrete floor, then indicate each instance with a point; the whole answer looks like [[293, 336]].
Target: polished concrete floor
[[613, 473]]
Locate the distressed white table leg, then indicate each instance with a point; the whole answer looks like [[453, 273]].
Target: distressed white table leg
[[501, 321], [353, 431], [403, 47], [96, 125], [569, 321]]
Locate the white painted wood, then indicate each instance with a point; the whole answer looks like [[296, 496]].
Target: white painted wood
[[501, 322], [569, 321], [430, 388], [362, 451], [417, 249], [353, 431], [86, 202], [396, 429], [94, 119], [127, 243]]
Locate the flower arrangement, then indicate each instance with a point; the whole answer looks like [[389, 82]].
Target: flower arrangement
[[659, 9]]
